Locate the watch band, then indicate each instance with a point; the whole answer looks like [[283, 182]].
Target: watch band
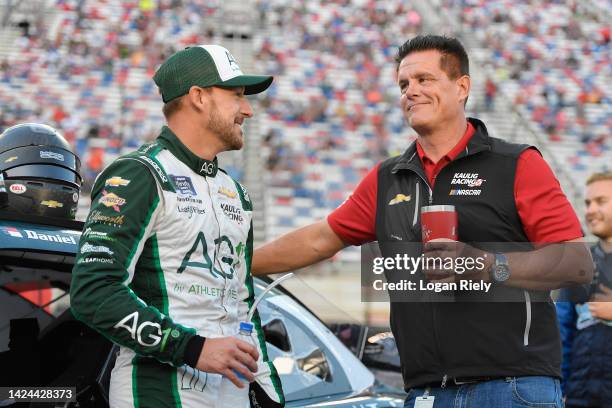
[[500, 271], [501, 259]]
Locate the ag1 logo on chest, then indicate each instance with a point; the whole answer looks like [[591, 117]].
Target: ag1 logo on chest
[[466, 184]]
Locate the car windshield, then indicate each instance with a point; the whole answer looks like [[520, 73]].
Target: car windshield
[[310, 360]]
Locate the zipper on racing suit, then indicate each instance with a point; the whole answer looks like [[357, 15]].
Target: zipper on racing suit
[[212, 186]]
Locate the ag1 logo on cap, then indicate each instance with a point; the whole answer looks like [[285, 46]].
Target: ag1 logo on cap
[[232, 61], [18, 188]]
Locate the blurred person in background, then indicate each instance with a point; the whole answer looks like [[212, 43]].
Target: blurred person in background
[[485, 354], [490, 92], [163, 267], [585, 313]]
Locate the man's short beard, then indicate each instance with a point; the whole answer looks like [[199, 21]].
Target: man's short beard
[[224, 132]]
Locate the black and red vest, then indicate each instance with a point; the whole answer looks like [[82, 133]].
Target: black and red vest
[[471, 337]]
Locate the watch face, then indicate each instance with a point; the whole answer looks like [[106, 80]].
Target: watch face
[[501, 273]]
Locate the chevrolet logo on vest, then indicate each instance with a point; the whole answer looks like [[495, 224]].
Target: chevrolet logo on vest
[[400, 198], [470, 180]]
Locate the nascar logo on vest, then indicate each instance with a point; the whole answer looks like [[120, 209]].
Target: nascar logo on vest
[[468, 180]]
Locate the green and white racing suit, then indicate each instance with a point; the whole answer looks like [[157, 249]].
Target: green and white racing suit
[[165, 255]]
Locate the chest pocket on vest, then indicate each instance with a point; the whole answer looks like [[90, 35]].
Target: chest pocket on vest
[[402, 204]]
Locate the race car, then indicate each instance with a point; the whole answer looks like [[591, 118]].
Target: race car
[[43, 345]]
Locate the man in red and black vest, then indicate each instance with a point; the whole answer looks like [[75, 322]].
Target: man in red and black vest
[[493, 349]]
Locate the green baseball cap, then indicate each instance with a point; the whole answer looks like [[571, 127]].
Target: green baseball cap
[[204, 65]]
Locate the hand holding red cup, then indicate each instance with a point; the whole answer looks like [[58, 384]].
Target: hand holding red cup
[[440, 240], [438, 223]]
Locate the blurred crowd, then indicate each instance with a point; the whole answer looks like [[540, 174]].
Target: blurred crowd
[[554, 59], [86, 69], [332, 112]]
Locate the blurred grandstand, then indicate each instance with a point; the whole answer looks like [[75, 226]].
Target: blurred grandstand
[[332, 113]]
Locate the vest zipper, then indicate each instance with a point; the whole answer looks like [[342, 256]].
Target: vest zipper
[[416, 204], [528, 319], [417, 201], [415, 170], [416, 209], [430, 198]]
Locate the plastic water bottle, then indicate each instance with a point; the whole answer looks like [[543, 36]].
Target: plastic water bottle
[[231, 396]]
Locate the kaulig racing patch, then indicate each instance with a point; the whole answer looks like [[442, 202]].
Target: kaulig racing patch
[[464, 183]]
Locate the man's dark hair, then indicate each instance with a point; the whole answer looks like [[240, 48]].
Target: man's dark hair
[[454, 60]]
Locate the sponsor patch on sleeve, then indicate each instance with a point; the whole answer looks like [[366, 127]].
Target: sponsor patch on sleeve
[[111, 200], [116, 181]]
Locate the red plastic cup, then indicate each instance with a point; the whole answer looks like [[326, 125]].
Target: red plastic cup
[[438, 221]]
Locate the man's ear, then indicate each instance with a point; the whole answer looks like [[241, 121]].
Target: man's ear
[[464, 84], [198, 97]]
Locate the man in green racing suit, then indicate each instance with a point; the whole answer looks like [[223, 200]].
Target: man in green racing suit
[[164, 261]]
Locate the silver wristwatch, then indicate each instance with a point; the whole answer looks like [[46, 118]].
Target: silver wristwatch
[[500, 271]]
